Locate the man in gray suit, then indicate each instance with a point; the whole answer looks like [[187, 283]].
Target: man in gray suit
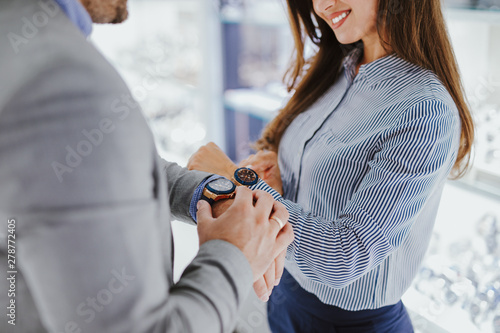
[[85, 201]]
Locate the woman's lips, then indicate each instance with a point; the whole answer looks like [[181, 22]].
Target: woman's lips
[[338, 18]]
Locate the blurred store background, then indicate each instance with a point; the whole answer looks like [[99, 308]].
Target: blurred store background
[[208, 70]]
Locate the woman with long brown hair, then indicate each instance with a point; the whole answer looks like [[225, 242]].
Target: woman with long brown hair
[[359, 155]]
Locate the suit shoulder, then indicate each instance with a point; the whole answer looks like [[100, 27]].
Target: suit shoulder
[[31, 47]]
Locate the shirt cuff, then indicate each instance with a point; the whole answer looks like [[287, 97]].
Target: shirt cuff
[[262, 185], [197, 196]]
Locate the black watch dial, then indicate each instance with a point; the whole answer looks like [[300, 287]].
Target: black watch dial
[[221, 186], [246, 176]]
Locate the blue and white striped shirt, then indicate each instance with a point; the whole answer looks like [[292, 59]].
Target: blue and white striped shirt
[[363, 170]]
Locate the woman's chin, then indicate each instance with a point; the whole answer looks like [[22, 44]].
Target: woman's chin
[[345, 40]]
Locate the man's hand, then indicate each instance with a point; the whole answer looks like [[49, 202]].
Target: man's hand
[[247, 225], [264, 286], [265, 163], [210, 158], [220, 207]]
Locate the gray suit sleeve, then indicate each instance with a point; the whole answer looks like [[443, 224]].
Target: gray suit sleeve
[[181, 183], [94, 248]]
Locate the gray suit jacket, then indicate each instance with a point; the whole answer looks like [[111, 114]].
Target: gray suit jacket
[[80, 176]]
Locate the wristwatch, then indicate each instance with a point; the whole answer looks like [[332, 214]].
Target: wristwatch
[[245, 177], [218, 189]]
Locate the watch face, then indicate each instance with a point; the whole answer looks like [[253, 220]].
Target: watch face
[[246, 176], [221, 186]]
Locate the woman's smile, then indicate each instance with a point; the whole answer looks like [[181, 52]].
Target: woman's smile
[[339, 18]]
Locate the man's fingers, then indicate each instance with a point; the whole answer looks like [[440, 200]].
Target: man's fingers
[[280, 211], [285, 238], [244, 196], [279, 267], [204, 213], [279, 215], [270, 277], [260, 289], [279, 222], [264, 203]]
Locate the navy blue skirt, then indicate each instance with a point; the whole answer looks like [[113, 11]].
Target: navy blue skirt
[[291, 309]]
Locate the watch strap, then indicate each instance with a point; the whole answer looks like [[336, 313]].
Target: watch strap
[[209, 200], [211, 197]]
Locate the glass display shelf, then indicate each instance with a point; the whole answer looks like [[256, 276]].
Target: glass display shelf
[[269, 13], [163, 68], [475, 15], [257, 103], [273, 14], [458, 284]]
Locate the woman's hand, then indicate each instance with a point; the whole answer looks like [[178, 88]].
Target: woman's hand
[[265, 163], [210, 158]]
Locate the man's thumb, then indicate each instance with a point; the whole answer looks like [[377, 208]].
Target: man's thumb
[[204, 211]]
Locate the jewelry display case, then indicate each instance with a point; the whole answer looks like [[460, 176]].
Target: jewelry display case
[[166, 58]]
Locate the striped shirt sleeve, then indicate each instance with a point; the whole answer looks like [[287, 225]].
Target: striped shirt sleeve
[[415, 155]]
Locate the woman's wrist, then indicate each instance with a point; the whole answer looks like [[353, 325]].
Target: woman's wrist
[[230, 169]]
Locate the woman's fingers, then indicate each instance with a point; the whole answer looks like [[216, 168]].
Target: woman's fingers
[[261, 161], [247, 161]]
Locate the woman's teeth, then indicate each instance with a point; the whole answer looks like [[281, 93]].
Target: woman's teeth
[[342, 16]]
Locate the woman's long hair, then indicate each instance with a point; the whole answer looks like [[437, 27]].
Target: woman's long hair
[[414, 30]]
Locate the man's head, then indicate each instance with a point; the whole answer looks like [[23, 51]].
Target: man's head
[[106, 11]]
